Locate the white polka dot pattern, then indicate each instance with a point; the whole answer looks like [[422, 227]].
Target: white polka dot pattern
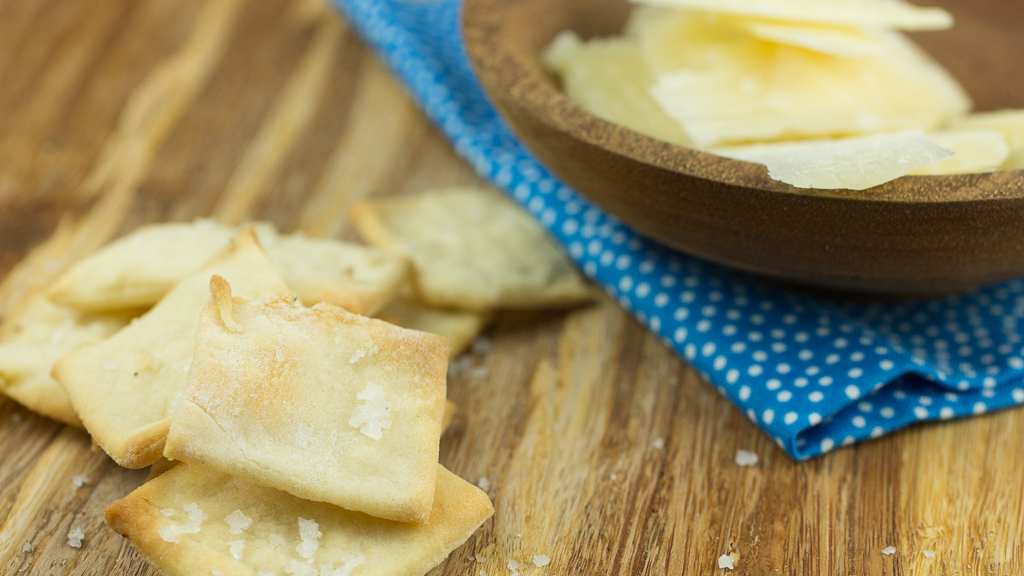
[[783, 357]]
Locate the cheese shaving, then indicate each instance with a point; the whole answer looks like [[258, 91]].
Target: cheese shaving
[[374, 416]]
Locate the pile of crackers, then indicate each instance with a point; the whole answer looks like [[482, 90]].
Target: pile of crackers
[[289, 392]]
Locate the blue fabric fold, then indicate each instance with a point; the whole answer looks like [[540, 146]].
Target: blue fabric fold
[[813, 373]]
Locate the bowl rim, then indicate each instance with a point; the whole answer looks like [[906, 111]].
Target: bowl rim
[[497, 64]]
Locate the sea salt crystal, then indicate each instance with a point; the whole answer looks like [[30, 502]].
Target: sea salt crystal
[[480, 558], [309, 533], [299, 568], [480, 373], [725, 561], [374, 416], [236, 548], [26, 547], [541, 560], [614, 477], [513, 566], [929, 554], [168, 512], [75, 538], [355, 357], [195, 515], [238, 522], [265, 573], [745, 458], [482, 573], [459, 365], [172, 532], [17, 417], [351, 562], [109, 365], [658, 443], [484, 484], [79, 480], [888, 551]]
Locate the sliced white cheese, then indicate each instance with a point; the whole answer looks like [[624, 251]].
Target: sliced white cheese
[[855, 163], [976, 151]]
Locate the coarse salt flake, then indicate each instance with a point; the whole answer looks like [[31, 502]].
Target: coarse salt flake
[[374, 416], [168, 512], [26, 547], [929, 553], [888, 550], [108, 365], [238, 522], [265, 573], [309, 533], [745, 458], [725, 561], [79, 480], [512, 565], [355, 357], [236, 548], [658, 443], [541, 560], [482, 345], [75, 538], [299, 568], [484, 484], [351, 562]]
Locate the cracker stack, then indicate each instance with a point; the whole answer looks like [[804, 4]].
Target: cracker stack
[[308, 436]]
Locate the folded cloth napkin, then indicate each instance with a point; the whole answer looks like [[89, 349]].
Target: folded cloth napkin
[[812, 372]]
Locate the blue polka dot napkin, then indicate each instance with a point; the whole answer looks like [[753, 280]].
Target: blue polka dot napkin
[[813, 373]]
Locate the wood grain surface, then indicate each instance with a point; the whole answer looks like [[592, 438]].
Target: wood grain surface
[[115, 113]]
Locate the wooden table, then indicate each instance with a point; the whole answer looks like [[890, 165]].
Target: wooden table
[[117, 112]]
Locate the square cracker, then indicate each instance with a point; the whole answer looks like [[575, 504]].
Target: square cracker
[[360, 279], [37, 334], [126, 388], [126, 273], [276, 394], [457, 326], [271, 542], [140, 268], [473, 249]]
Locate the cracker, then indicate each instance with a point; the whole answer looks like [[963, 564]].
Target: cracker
[[35, 336], [271, 542], [449, 414], [138, 269], [473, 249], [458, 327], [319, 402], [126, 388], [358, 278]]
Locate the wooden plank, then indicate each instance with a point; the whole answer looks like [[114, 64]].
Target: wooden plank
[[277, 112]]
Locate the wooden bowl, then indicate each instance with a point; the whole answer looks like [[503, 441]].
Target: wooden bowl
[[914, 235]]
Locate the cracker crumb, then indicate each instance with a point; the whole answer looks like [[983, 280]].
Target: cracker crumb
[[929, 554], [309, 533], [75, 537], [746, 458], [236, 548], [541, 560], [484, 484], [26, 547], [80, 480], [658, 443], [482, 345], [374, 416], [238, 522], [888, 550], [725, 561]]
